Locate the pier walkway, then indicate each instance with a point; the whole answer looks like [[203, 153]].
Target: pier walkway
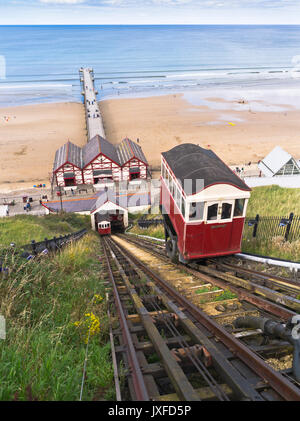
[[94, 121]]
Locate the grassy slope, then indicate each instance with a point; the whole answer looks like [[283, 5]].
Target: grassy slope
[[22, 229], [274, 201], [42, 357]]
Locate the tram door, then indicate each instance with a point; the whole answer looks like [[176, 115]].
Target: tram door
[[218, 226]]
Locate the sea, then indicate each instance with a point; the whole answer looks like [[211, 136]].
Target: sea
[[41, 64]]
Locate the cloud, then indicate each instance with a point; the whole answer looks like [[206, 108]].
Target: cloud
[[172, 2], [63, 1], [201, 4]]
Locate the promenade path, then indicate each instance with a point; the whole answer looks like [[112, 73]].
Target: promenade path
[[94, 120]]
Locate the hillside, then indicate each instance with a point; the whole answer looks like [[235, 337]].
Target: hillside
[[22, 229], [53, 306]]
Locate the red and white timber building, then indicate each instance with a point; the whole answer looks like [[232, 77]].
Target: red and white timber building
[[99, 162], [67, 169], [133, 161]]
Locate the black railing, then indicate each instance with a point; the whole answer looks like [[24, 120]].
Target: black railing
[[146, 223], [51, 245], [34, 249], [268, 227]]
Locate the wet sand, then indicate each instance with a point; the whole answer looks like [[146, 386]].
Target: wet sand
[[238, 137]]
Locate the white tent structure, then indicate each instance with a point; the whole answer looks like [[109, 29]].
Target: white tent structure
[[279, 162], [3, 210]]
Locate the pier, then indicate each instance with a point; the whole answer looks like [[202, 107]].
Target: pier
[[94, 120]]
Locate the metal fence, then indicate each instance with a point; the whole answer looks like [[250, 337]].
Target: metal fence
[[41, 248], [268, 227], [259, 227], [146, 223], [52, 244]]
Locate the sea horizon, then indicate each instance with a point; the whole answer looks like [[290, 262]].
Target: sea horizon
[[42, 61]]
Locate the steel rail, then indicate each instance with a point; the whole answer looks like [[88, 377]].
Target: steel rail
[[278, 280], [271, 307], [274, 296], [193, 357], [277, 381], [177, 376], [233, 378], [137, 376]]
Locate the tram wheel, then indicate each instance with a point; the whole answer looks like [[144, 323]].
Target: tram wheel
[[171, 248]]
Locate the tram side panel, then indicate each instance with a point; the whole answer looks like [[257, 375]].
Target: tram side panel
[[176, 218]]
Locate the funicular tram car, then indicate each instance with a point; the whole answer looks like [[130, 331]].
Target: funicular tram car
[[203, 204], [104, 227], [111, 222]]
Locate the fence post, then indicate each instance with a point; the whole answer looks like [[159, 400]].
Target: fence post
[[33, 245], [255, 226], [288, 226]]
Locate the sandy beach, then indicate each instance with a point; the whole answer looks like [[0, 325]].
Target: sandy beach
[[32, 134], [238, 137], [29, 137]]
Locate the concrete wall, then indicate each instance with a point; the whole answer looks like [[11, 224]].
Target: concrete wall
[[282, 181]]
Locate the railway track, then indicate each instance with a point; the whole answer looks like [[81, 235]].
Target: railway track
[[175, 349], [272, 293]]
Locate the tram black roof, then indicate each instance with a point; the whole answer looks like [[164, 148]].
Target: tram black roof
[[191, 162]]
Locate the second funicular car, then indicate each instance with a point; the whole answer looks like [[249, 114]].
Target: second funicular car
[[203, 203]]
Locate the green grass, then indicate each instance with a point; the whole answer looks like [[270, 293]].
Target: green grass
[[273, 201], [276, 247], [43, 355], [21, 229], [226, 295], [206, 289], [152, 231]]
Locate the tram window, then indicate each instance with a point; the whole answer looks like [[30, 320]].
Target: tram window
[[172, 187], [226, 211], [212, 212], [183, 207], [167, 178], [239, 207], [177, 197], [196, 211]]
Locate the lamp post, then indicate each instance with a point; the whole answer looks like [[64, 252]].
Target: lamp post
[[60, 196]]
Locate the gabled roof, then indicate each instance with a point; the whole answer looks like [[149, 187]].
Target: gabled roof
[[124, 200], [98, 145], [68, 153], [191, 162], [81, 157], [274, 161], [128, 150]]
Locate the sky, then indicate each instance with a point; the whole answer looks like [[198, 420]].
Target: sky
[[27, 12]]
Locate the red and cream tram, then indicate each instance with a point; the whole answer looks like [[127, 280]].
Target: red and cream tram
[[203, 204], [104, 228]]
